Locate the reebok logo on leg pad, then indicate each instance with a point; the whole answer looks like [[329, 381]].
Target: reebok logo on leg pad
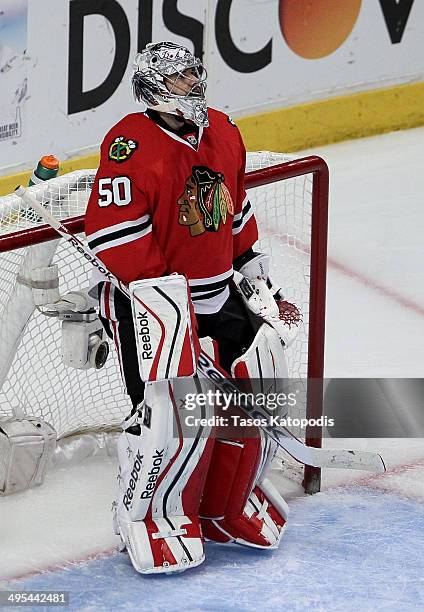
[[138, 463], [153, 475]]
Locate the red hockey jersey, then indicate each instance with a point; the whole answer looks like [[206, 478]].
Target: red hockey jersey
[[162, 203]]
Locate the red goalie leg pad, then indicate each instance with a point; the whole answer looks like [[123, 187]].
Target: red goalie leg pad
[[192, 493], [231, 477], [236, 509]]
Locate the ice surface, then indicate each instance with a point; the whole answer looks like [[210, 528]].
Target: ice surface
[[348, 549], [375, 291]]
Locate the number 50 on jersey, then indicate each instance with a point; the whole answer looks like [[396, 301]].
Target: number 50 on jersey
[[114, 191]]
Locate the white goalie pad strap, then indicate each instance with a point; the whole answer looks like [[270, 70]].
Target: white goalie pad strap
[[266, 507], [251, 282], [161, 479], [26, 447], [163, 327], [274, 497]]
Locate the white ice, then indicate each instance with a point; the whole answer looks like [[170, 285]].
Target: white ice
[[375, 328]]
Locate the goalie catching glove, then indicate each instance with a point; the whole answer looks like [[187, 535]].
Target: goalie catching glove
[[254, 285]]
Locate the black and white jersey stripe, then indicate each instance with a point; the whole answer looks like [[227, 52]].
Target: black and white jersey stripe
[[242, 217], [209, 294], [118, 234]]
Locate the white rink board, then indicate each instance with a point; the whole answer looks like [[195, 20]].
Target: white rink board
[[251, 65]]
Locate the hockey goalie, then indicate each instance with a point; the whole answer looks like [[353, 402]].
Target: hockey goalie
[[169, 216]]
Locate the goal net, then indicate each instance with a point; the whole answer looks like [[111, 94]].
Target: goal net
[[289, 198]]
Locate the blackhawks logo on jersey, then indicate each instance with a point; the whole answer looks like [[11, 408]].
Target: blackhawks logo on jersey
[[121, 149], [205, 203]]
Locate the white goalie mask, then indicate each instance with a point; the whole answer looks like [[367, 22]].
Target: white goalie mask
[[161, 72]]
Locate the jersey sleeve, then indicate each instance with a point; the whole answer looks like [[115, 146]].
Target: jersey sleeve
[[245, 230], [118, 222]]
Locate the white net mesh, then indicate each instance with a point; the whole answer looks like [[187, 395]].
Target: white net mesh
[[71, 400], [283, 212], [64, 197], [32, 375]]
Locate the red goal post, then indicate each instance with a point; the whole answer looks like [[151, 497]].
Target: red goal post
[[290, 198], [317, 291]]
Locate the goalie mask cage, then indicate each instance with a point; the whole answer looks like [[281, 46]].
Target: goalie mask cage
[[290, 199]]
